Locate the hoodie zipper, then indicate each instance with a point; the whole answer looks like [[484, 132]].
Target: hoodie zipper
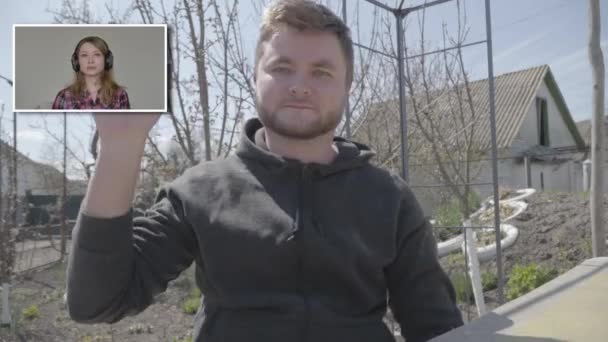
[[303, 183]]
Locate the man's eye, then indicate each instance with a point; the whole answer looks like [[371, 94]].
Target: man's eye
[[281, 70], [321, 73]]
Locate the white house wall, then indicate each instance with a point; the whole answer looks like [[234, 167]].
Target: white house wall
[[562, 177], [29, 177]]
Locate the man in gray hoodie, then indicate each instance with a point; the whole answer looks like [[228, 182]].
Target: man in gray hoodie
[[296, 237]]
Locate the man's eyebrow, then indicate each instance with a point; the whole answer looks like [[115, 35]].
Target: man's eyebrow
[[325, 63], [280, 60]]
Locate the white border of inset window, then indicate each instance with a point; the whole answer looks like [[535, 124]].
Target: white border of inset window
[[127, 55]]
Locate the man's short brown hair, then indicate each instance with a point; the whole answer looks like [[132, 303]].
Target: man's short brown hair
[[305, 15]]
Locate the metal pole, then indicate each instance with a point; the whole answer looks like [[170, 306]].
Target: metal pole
[[65, 192], [347, 104], [402, 106], [1, 156], [15, 196], [5, 315], [379, 4], [494, 152], [425, 5], [528, 171]]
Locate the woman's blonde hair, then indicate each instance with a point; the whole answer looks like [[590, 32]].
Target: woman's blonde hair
[[305, 15], [108, 85]]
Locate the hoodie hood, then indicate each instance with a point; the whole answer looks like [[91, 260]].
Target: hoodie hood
[[253, 146]]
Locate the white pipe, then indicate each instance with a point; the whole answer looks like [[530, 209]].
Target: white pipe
[[488, 252], [446, 247], [522, 193], [519, 208]]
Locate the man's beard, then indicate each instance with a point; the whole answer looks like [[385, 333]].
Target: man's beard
[[321, 125]]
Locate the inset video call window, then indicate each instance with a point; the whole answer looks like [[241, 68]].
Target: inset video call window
[[90, 68]]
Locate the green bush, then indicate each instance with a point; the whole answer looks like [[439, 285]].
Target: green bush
[[140, 329], [30, 312], [192, 301], [462, 286], [190, 306], [454, 261], [524, 279], [195, 292], [450, 215], [489, 281]]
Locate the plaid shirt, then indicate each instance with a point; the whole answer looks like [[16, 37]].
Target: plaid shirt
[[65, 100]]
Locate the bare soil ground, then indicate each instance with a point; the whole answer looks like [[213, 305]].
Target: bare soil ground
[[162, 321]]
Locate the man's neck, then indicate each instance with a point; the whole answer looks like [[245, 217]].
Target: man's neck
[[318, 150]]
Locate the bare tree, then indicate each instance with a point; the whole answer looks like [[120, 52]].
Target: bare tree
[[7, 251], [82, 157], [448, 130], [7, 221], [231, 65], [442, 141], [207, 36]]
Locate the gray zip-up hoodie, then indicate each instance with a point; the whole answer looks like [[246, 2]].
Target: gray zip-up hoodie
[[284, 251]]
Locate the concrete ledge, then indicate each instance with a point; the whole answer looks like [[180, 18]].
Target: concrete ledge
[[572, 307]]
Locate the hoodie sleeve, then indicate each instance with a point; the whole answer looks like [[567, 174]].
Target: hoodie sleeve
[[117, 265], [421, 295]]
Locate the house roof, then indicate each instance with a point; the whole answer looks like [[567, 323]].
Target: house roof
[[514, 94], [584, 128]]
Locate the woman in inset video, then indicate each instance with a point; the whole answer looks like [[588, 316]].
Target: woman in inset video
[[94, 86]]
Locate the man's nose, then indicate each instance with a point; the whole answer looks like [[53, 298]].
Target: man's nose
[[299, 89]]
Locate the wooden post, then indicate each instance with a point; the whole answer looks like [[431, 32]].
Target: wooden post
[[598, 235], [528, 171]]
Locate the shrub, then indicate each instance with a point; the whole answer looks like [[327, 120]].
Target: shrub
[[30, 312], [450, 215], [192, 302], [140, 329], [489, 281], [195, 292], [524, 279], [190, 306], [462, 286], [455, 261]]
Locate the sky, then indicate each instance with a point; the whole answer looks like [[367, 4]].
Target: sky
[[525, 34]]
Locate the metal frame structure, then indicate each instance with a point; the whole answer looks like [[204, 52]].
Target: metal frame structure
[[400, 14]]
